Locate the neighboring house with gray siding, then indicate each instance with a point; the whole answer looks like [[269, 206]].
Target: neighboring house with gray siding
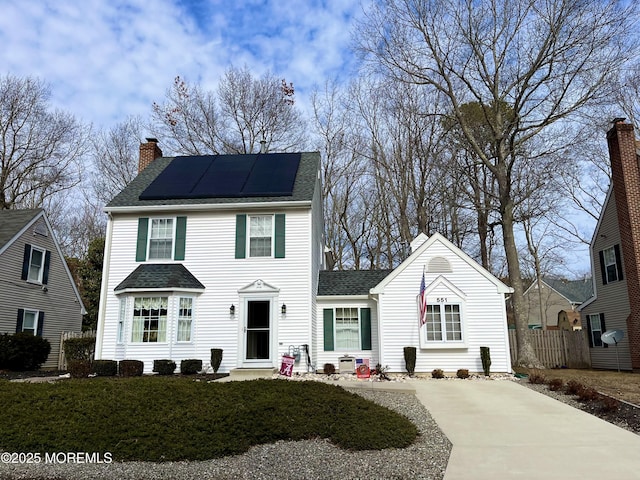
[[37, 292], [615, 255], [554, 304]]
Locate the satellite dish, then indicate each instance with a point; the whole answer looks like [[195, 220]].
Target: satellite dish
[[612, 337]]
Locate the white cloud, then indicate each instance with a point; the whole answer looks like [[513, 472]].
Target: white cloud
[[106, 60]]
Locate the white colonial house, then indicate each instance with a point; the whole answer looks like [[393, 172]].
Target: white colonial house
[[227, 251]]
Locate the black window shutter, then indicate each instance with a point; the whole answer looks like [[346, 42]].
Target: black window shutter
[[25, 261], [280, 235], [589, 330], [47, 262], [604, 329], [40, 324], [20, 320], [141, 245], [241, 235], [602, 269], [616, 249], [328, 329], [365, 328], [181, 238]]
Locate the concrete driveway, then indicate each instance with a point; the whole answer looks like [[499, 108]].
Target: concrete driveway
[[503, 430]]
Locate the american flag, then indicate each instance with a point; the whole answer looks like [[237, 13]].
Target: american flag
[[422, 302]]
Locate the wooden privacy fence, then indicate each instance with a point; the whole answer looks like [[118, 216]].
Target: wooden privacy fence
[[62, 362], [556, 348]]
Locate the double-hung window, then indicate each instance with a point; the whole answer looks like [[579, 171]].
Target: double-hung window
[[611, 264], [185, 319], [149, 320], [161, 239], [260, 235], [347, 329], [443, 323], [595, 329], [35, 264], [30, 322]]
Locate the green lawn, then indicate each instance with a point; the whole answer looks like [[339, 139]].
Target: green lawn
[[177, 418]]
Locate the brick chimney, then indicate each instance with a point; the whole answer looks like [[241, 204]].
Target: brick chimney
[[148, 153], [625, 171]]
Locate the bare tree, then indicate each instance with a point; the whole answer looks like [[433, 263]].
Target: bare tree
[[40, 147], [235, 119], [115, 155], [546, 60]]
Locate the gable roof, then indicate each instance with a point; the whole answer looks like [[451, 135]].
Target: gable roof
[[303, 188], [575, 291], [158, 276], [437, 237], [12, 222], [349, 282]]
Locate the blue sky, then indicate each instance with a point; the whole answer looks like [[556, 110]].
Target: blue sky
[[106, 59]]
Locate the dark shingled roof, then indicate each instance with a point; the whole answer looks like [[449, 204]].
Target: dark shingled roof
[[160, 275], [303, 187], [12, 221], [349, 282], [576, 291]]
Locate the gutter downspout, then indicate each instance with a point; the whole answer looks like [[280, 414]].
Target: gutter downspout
[[103, 288]]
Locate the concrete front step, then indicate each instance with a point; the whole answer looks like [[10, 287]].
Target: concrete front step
[[251, 373]]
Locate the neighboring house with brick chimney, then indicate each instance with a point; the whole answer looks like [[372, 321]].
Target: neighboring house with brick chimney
[[615, 258], [37, 292], [227, 251]]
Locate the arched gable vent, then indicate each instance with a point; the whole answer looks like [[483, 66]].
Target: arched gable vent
[[439, 265]]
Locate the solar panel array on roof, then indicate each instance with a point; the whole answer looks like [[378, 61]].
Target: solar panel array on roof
[[221, 176]]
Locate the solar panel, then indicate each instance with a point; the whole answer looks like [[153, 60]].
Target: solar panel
[[273, 175], [177, 179], [225, 176]]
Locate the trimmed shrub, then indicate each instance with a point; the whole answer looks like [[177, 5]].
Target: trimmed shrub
[[437, 373], [190, 366], [105, 368], [573, 387], [609, 404], [80, 348], [555, 384], [131, 368], [588, 394], [23, 351], [329, 368], [164, 367], [216, 359], [79, 368], [462, 373], [410, 359], [485, 356], [536, 377]]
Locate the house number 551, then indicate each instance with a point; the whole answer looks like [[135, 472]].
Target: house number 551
[[441, 300]]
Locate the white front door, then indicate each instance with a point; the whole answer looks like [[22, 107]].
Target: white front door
[[257, 333]]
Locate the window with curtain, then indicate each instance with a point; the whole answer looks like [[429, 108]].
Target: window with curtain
[[161, 239], [149, 320], [260, 235], [347, 327], [185, 319]]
